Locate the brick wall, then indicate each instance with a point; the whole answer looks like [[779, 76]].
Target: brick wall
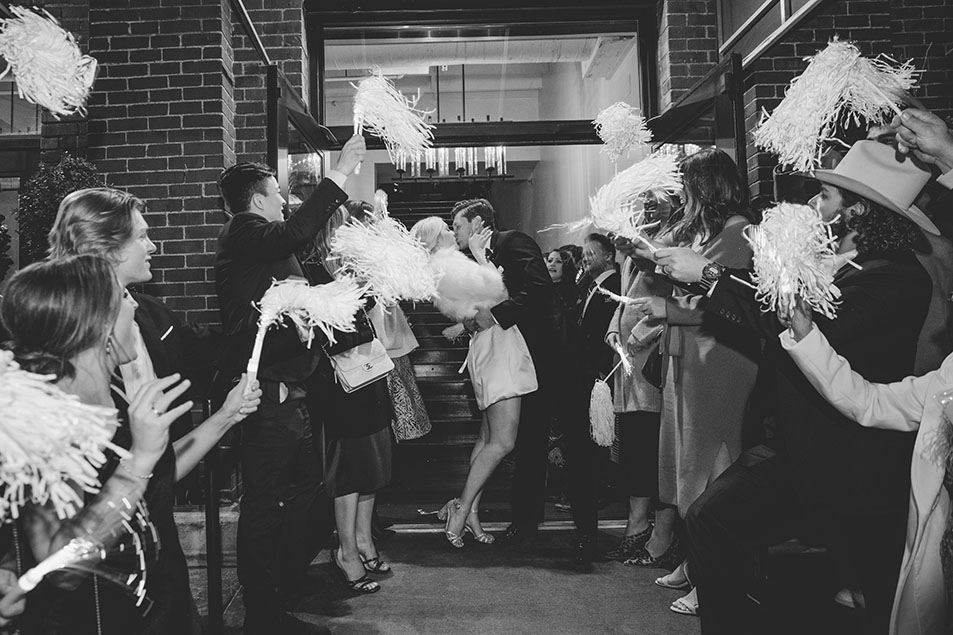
[[687, 46], [280, 26], [160, 127], [901, 28]]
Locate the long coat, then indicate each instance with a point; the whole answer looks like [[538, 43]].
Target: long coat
[[919, 606], [710, 372]]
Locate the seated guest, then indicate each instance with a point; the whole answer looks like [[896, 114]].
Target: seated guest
[[70, 318], [820, 464]]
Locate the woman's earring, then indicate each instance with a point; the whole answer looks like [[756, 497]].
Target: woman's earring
[[109, 344]]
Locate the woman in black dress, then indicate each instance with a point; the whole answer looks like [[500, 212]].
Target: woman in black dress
[[359, 439]]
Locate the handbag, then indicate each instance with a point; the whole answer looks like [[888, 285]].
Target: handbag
[[362, 365], [652, 368]]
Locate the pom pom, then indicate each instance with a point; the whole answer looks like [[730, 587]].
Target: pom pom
[[329, 307], [601, 414], [50, 442], [383, 111], [49, 68], [621, 128], [463, 286], [380, 203], [384, 255], [838, 85], [618, 207], [792, 254]]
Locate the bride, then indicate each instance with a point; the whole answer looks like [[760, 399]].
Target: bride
[[499, 363]]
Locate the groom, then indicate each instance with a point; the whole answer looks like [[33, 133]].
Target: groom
[[528, 307]]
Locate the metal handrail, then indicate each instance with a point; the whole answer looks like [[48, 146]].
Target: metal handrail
[[251, 31]]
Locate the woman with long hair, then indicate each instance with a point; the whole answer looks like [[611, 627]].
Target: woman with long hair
[[709, 368], [358, 435], [70, 318], [499, 363]]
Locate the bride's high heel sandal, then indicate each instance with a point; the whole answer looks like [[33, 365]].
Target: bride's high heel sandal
[[451, 508], [483, 537]]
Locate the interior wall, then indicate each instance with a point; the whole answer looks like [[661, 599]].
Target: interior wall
[[567, 176]]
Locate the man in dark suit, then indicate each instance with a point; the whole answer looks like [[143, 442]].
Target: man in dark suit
[[590, 359], [279, 468], [821, 471], [528, 307]]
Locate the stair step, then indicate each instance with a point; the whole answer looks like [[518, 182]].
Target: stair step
[[462, 389], [448, 371], [452, 409], [438, 355]]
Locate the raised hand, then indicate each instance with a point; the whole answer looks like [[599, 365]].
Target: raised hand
[[926, 136], [352, 154], [653, 308], [799, 318], [150, 418]]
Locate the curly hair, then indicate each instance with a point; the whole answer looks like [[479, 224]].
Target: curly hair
[[879, 229]]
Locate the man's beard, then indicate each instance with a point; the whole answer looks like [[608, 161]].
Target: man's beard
[[839, 227]]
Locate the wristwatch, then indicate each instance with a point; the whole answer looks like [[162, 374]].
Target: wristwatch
[[711, 273]]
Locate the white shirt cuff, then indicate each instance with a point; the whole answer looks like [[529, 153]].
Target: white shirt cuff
[[338, 178], [946, 180], [788, 342]]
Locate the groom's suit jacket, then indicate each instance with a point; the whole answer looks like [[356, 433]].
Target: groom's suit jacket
[[530, 288]]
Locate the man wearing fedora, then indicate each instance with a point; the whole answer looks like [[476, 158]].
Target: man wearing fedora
[[820, 471]]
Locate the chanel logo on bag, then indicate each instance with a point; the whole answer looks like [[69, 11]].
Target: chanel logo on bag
[[368, 367]]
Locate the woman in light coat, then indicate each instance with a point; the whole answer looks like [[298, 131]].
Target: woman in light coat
[[925, 590]]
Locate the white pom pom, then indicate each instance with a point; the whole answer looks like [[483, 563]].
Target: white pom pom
[[601, 414], [838, 85], [383, 111], [50, 442], [463, 286], [792, 254], [49, 67], [622, 129], [618, 206], [384, 255]]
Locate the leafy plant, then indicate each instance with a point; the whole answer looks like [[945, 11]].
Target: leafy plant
[[5, 241], [40, 198]]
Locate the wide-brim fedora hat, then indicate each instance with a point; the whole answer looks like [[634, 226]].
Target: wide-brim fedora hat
[[879, 173]]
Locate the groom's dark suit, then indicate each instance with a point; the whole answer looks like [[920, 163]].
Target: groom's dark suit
[[528, 307]]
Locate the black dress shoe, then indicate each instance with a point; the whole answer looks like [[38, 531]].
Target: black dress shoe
[[585, 550], [516, 533]]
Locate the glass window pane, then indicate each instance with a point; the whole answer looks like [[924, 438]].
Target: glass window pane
[[496, 78], [17, 116]]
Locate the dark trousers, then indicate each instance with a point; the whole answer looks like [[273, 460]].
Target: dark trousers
[[280, 481], [583, 462], [753, 505], [528, 494]]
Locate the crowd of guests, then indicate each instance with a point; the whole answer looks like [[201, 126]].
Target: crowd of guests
[[738, 427]]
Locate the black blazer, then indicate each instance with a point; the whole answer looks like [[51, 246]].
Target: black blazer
[[252, 252], [176, 346], [836, 465], [530, 288], [594, 353]]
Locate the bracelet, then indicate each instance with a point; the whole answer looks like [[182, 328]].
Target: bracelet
[[125, 468]]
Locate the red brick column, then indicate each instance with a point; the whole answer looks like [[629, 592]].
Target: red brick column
[[687, 46]]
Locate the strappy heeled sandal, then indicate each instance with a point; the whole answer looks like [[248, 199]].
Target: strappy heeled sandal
[[455, 541], [687, 605], [483, 537], [375, 565], [362, 585]]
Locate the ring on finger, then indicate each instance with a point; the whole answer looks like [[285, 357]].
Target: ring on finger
[[154, 410]]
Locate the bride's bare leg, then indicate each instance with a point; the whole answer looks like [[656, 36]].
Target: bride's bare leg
[[502, 419]]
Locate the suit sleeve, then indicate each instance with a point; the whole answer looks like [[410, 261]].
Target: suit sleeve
[[895, 406], [259, 240], [531, 286], [729, 249]]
